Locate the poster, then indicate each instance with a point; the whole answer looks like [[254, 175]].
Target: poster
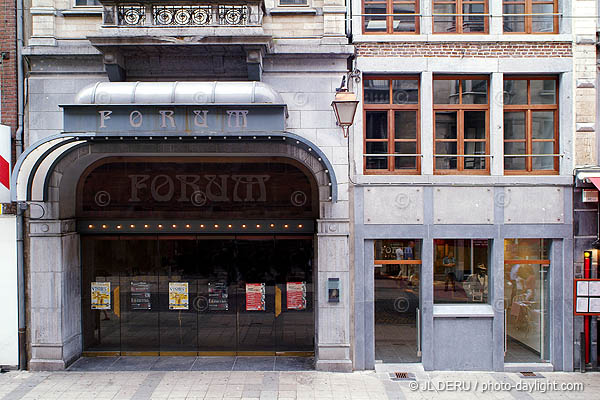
[[178, 296], [100, 295], [140, 296], [296, 295], [255, 297], [582, 305], [582, 288], [218, 298], [595, 305]]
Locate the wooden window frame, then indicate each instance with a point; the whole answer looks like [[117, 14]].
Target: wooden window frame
[[391, 139], [389, 19], [459, 18], [528, 109], [529, 19], [460, 140]]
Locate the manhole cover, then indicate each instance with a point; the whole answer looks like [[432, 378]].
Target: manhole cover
[[402, 376]]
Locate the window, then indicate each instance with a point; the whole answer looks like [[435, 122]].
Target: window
[[87, 3], [530, 125], [391, 143], [460, 273], [398, 259], [383, 21], [293, 2], [461, 109], [460, 16], [530, 16]]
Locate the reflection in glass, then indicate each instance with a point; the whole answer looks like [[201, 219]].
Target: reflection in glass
[[377, 91], [474, 91], [542, 23], [376, 124], [397, 295], [405, 91], [446, 23], [376, 23], [445, 125], [543, 91], [405, 124], [514, 125], [446, 91], [472, 22], [404, 23], [514, 23], [527, 300], [515, 91], [461, 270]]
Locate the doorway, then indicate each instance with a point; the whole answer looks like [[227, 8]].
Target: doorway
[[244, 295], [397, 301]]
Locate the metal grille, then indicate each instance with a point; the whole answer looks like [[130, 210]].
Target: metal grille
[[182, 15], [401, 375], [233, 15], [132, 14]]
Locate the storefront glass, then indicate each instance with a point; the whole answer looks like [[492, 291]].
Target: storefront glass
[[526, 299], [460, 273], [397, 300]]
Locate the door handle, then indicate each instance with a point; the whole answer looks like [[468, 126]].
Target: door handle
[[277, 301]]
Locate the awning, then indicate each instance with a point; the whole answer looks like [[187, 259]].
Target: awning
[[587, 175], [31, 175]]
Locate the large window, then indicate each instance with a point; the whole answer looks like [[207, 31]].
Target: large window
[[390, 16], [531, 125], [460, 273], [460, 16], [530, 16], [391, 143], [461, 109]]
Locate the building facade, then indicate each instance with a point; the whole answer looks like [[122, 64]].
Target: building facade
[[189, 193]]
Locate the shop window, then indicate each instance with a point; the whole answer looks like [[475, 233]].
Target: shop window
[[460, 16], [390, 16], [391, 125], [531, 125], [461, 112], [530, 16], [398, 259], [460, 271], [526, 299]]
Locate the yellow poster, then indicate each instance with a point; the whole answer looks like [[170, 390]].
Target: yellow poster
[[100, 295], [178, 296]]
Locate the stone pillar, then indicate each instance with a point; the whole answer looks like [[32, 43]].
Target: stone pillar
[[333, 318], [54, 294]]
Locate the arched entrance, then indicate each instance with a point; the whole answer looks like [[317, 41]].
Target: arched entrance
[[189, 255]]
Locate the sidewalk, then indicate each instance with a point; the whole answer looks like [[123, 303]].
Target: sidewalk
[[232, 384]]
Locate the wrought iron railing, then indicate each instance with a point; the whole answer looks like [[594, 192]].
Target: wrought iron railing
[[177, 14]]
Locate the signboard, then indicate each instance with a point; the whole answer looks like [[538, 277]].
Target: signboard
[[178, 296], [218, 298], [5, 156], [100, 295], [140, 296], [333, 290], [255, 297], [296, 295], [587, 297], [241, 190]]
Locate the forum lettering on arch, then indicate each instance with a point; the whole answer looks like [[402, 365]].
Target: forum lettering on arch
[[235, 119]]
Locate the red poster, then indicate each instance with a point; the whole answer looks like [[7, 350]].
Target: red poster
[[255, 296], [296, 295]]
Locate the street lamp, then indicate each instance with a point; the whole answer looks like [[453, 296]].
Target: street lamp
[[344, 105]]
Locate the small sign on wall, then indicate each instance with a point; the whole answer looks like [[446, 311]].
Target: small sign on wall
[[333, 289], [100, 295], [255, 297], [178, 296], [587, 297], [589, 195]]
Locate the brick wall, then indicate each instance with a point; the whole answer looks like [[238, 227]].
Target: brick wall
[[465, 50], [8, 68]]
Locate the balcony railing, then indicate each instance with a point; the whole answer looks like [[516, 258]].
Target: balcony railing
[[181, 14]]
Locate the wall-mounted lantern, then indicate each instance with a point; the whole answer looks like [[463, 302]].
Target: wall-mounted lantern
[[344, 105]]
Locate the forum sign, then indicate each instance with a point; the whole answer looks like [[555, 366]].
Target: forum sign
[[173, 120]]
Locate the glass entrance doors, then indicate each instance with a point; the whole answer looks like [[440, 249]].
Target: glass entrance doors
[[172, 294], [397, 299]]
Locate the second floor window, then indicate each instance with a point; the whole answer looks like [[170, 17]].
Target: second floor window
[[530, 16], [391, 125], [530, 125], [461, 113], [460, 16], [403, 20]]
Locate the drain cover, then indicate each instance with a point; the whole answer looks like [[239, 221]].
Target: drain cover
[[402, 376], [529, 374]]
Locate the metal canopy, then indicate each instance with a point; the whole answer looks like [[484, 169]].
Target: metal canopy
[[180, 93], [31, 175], [586, 175]]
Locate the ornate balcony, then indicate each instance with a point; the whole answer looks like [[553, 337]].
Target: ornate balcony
[[178, 39], [182, 14]]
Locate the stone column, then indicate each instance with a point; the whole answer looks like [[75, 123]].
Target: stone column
[[54, 294], [333, 318]]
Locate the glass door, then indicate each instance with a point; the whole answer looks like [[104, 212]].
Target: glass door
[[397, 299]]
